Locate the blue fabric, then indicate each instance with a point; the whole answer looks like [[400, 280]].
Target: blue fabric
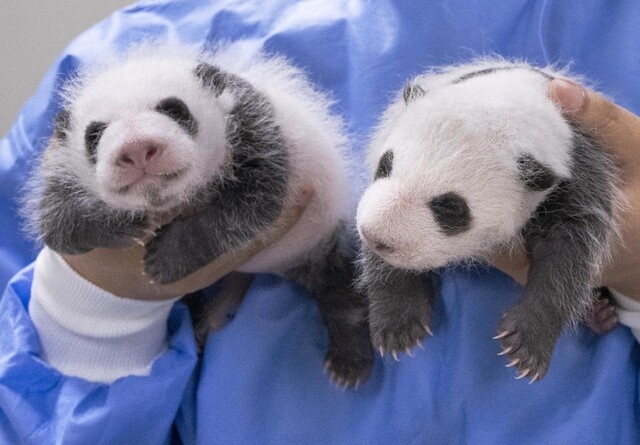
[[260, 380], [41, 406]]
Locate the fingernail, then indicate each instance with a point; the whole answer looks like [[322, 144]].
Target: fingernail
[[569, 95]]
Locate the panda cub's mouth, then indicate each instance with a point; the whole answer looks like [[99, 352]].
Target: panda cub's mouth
[[151, 181], [152, 192]]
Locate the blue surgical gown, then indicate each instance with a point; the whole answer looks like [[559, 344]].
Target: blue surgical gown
[[260, 380]]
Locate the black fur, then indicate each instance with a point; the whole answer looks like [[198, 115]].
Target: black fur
[[61, 125], [212, 77], [411, 92], [451, 212], [385, 165], [534, 174], [486, 71], [329, 274], [400, 303], [177, 110], [73, 221], [92, 136]]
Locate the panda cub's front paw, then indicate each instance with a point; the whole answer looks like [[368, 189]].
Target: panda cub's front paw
[[166, 259], [395, 335], [527, 339], [349, 367], [158, 265]]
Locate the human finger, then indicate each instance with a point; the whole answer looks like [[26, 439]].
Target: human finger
[[615, 127]]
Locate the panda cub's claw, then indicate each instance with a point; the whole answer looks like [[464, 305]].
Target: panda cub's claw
[[528, 348], [400, 339], [348, 371]]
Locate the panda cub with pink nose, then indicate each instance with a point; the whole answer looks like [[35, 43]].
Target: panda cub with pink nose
[[227, 139], [472, 159]]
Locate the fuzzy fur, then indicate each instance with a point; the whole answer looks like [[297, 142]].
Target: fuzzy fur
[[228, 140], [482, 160]]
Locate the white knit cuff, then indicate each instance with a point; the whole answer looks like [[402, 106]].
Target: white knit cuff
[[628, 312], [88, 332]]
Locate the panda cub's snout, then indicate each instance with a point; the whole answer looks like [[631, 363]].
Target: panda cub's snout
[[143, 155]]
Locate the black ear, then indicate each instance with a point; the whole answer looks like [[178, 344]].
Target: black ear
[[212, 77], [411, 92], [61, 125], [536, 175]]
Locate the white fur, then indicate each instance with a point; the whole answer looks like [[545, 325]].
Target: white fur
[[464, 138], [125, 91], [125, 95]]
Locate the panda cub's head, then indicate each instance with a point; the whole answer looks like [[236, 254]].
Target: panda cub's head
[[460, 161], [144, 134]]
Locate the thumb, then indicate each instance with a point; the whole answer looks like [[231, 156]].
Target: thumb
[[616, 128]]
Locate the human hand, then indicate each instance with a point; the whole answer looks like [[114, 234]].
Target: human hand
[[617, 130], [121, 271]]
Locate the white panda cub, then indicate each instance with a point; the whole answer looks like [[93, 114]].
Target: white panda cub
[[468, 160], [227, 140]]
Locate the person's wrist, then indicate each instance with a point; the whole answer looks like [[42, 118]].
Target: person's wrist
[[119, 272]]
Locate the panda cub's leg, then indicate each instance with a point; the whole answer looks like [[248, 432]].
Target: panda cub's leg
[[329, 274], [400, 304], [557, 292], [567, 240]]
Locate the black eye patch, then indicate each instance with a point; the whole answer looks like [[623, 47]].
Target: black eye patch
[[92, 136], [536, 175], [177, 110], [451, 212], [385, 165]]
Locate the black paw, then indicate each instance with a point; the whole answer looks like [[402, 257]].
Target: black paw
[[89, 234], [397, 336], [349, 368], [527, 339], [164, 261]]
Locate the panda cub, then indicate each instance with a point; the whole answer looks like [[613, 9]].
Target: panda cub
[[228, 141], [469, 160]]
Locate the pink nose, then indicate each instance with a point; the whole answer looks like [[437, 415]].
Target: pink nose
[[138, 154], [374, 243]]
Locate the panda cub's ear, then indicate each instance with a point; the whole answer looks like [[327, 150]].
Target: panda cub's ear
[[536, 175], [411, 92], [212, 77], [61, 125]]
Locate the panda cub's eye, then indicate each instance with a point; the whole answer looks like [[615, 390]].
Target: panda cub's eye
[[92, 135], [177, 110], [451, 213], [385, 165]]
